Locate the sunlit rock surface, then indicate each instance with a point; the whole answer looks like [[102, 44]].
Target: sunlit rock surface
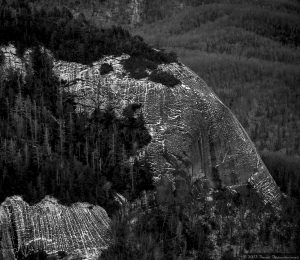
[[192, 130], [80, 229]]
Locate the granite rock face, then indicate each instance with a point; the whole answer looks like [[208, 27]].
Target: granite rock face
[[192, 130], [80, 229]]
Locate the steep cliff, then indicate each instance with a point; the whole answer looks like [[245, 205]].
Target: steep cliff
[[185, 130], [192, 130], [192, 133]]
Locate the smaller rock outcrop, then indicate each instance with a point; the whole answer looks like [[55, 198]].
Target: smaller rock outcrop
[[79, 229]]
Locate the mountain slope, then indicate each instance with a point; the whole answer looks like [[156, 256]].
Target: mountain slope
[[210, 141], [83, 124], [248, 52]]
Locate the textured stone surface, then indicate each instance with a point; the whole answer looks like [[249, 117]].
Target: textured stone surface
[[81, 229], [192, 130]]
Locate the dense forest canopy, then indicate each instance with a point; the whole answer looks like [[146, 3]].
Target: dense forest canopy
[[69, 38]]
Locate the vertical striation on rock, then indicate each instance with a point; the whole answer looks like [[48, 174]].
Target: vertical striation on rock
[[81, 228], [192, 130]]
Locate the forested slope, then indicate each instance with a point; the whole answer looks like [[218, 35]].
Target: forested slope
[[49, 148], [248, 52]]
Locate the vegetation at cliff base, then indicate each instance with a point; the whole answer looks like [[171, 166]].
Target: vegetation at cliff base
[[194, 222]]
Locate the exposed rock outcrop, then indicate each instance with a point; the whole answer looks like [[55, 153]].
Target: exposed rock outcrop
[[192, 130], [80, 229]]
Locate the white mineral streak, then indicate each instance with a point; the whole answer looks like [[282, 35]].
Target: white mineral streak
[[52, 227]]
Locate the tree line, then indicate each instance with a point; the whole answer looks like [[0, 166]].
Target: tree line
[[70, 38]]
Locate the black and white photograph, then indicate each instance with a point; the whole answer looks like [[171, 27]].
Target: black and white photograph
[[149, 129]]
